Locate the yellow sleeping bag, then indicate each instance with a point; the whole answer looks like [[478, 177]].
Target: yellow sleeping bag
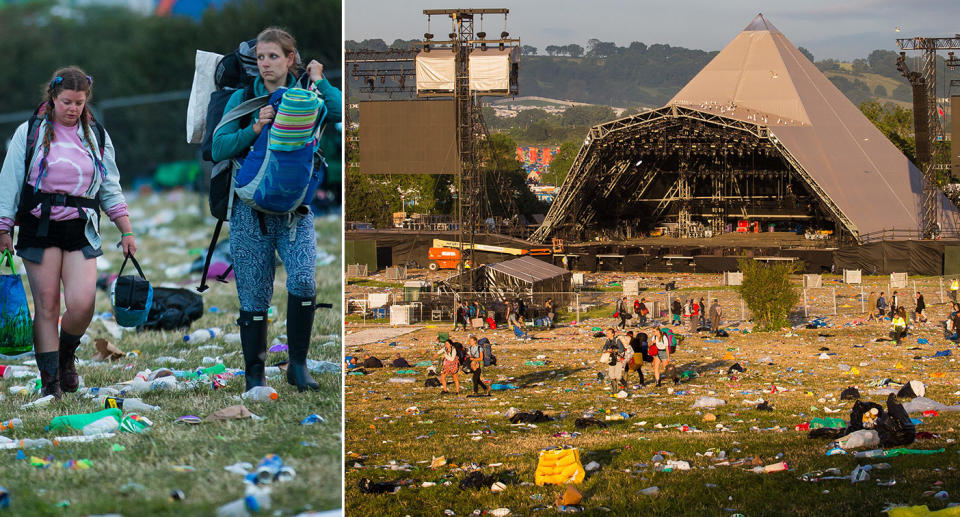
[[559, 466]]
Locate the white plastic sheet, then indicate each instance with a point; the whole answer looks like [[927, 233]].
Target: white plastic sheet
[[205, 66]]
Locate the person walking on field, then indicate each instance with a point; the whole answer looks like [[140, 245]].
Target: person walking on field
[[881, 306], [450, 366], [475, 356], [872, 306], [622, 313], [56, 190], [715, 313], [257, 237], [659, 349], [703, 313], [918, 313], [675, 310], [612, 354], [694, 316]]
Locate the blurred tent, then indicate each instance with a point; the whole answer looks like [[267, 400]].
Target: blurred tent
[[191, 8], [175, 174]]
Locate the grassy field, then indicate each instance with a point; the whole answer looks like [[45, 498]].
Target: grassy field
[[134, 474], [388, 440]]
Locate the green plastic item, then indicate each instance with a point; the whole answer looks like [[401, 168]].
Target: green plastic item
[[79, 421], [689, 374], [406, 372], [535, 363], [831, 423], [208, 371], [904, 452], [596, 329], [424, 364]]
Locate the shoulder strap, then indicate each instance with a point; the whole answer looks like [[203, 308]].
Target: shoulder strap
[[135, 263], [245, 108]]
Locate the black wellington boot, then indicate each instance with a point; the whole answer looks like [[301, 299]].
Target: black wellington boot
[[69, 378], [253, 342], [48, 363], [299, 327]]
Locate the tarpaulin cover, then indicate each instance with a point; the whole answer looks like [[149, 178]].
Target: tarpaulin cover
[[436, 70], [490, 69], [912, 257]]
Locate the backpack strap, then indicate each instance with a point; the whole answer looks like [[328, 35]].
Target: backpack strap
[[206, 262], [243, 109]]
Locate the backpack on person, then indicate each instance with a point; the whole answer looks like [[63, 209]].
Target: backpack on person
[[235, 71], [30, 197], [671, 339]]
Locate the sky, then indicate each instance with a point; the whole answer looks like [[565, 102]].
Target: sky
[[839, 29]]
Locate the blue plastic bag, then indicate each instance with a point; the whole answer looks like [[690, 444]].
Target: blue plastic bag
[[16, 325]]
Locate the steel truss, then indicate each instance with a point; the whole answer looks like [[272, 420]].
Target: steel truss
[[608, 145]]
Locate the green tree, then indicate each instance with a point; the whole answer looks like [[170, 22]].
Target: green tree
[[562, 161], [767, 291], [880, 91], [806, 53], [895, 122], [500, 155]]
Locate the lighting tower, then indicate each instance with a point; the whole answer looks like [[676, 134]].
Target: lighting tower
[[926, 118]]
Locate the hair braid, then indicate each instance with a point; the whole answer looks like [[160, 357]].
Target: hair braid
[[48, 137]]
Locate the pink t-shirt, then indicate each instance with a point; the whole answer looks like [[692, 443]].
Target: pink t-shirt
[[70, 170]]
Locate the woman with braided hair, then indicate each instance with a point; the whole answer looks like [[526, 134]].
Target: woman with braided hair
[[58, 174]]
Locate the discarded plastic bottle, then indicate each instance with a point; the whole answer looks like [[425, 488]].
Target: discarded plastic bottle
[[257, 499], [10, 424], [27, 443], [199, 336], [651, 491], [261, 394], [18, 390], [233, 337], [874, 453], [40, 402], [128, 404], [107, 424]]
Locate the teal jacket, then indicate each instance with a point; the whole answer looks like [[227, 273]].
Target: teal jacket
[[232, 140]]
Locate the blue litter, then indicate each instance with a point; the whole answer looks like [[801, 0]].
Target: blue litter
[[916, 421], [312, 419], [942, 353], [500, 387], [922, 341]]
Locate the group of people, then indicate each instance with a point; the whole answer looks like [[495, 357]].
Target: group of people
[[878, 308], [695, 311], [60, 173], [471, 359], [475, 315], [623, 352]]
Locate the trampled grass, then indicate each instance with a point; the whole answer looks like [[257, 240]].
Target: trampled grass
[[138, 480], [386, 442]]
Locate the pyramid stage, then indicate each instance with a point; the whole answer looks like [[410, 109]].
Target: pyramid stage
[[759, 137]]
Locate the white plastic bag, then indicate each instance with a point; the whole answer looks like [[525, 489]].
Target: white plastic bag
[[203, 85]]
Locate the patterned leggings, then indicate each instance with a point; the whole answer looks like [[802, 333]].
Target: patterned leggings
[[253, 255]]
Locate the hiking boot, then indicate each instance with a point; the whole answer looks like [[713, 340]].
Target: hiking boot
[[47, 362], [299, 327], [253, 342], [69, 379]]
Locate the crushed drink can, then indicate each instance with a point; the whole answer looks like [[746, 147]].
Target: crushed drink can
[[112, 402], [268, 468]]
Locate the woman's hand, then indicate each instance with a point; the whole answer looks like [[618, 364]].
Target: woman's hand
[[315, 69], [6, 242], [264, 117], [129, 245]]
